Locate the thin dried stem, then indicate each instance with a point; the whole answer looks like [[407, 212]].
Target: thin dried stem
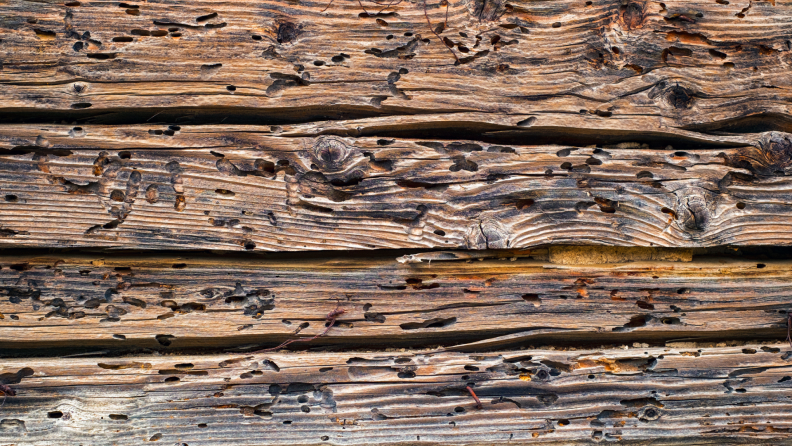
[[473, 394], [331, 318], [789, 329], [426, 14]]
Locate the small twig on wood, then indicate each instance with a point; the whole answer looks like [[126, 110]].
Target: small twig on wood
[[363, 7], [328, 5], [473, 394], [155, 114], [390, 4], [789, 329], [330, 318], [426, 14], [6, 391]]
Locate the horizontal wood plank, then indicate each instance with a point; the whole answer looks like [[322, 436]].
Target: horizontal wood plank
[[689, 63], [636, 394], [90, 303], [245, 188]]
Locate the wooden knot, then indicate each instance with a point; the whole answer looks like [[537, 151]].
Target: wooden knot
[[486, 10], [649, 413], [632, 15], [673, 95], [487, 234], [330, 153], [694, 208], [79, 87], [287, 32], [776, 154], [772, 156]]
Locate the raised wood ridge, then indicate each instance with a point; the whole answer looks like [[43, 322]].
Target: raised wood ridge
[[247, 188]]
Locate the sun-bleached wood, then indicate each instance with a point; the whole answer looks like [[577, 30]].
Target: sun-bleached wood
[[495, 131]]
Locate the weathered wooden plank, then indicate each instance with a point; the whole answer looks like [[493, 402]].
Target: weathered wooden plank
[[122, 302], [208, 187], [707, 394], [691, 63]]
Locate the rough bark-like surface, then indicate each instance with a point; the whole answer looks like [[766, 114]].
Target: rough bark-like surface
[[255, 188], [671, 395], [170, 303]]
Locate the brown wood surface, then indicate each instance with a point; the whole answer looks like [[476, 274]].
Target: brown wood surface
[[247, 188], [154, 154], [634, 394], [169, 303], [699, 63]]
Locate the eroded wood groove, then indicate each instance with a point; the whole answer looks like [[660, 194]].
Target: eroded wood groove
[[634, 394]]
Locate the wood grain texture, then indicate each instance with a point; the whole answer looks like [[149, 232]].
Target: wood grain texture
[[689, 63], [168, 303], [506, 130], [673, 395], [245, 188]]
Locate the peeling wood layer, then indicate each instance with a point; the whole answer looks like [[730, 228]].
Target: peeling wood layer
[[167, 303], [683, 393]]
